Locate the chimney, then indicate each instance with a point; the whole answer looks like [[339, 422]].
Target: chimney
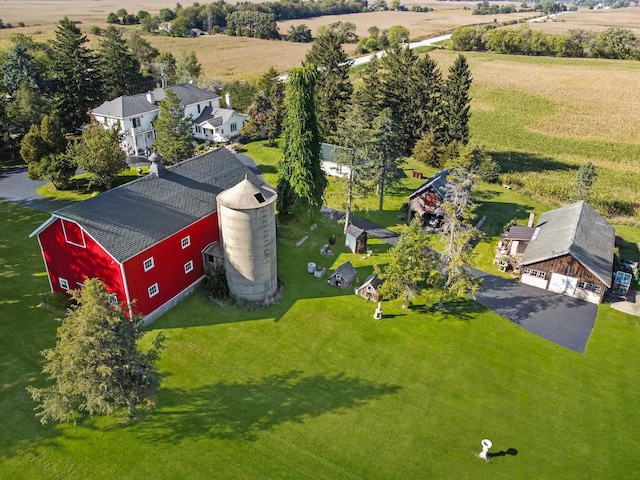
[[150, 97], [532, 217], [227, 99], [156, 168]]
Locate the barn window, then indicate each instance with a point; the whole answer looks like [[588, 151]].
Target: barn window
[[188, 266], [73, 234], [186, 241], [64, 283], [590, 287], [153, 290], [148, 264], [534, 273]]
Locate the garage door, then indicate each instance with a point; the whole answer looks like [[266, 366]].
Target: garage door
[[562, 284]]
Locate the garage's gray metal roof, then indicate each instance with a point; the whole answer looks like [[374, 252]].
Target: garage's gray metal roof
[[131, 218], [134, 105], [576, 230]]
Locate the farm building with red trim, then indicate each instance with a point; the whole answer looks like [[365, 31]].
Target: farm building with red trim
[[145, 240]]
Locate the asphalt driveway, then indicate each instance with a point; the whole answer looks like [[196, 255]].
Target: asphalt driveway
[[563, 320], [15, 187]]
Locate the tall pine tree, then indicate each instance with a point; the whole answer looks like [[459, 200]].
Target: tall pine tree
[[369, 96], [73, 68], [118, 67], [333, 88], [174, 138], [301, 181], [456, 102]]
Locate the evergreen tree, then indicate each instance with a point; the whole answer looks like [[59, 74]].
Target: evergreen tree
[[585, 179], [73, 68], [457, 233], [99, 154], [384, 152], [333, 88], [37, 149], [301, 181], [27, 107], [427, 99], [174, 138], [369, 97], [456, 102], [398, 74], [118, 68], [20, 68], [410, 263], [96, 366]]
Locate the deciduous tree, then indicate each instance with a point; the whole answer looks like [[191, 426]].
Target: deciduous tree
[[301, 181], [42, 149], [174, 138], [99, 154], [96, 366]]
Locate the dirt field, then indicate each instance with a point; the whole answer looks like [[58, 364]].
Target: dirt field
[[593, 20]]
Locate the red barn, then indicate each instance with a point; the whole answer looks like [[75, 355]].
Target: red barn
[[145, 239]]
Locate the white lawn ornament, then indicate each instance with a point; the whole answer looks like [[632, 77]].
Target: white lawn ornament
[[378, 313], [486, 445]]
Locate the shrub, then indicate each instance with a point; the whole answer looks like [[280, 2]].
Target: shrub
[[489, 170], [217, 284]]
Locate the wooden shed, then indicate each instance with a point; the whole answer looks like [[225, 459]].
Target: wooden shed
[[344, 276], [571, 252], [369, 289], [426, 201], [355, 239]]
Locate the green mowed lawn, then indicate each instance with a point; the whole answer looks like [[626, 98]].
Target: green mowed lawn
[[314, 387]]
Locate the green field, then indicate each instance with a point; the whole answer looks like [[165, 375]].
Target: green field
[[313, 387]]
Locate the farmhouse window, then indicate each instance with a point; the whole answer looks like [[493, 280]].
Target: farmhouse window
[[64, 283], [153, 290], [136, 122], [186, 241], [198, 108], [234, 127], [590, 287], [148, 264], [534, 273], [188, 266]]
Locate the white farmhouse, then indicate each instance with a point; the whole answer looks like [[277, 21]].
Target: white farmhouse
[[135, 114]]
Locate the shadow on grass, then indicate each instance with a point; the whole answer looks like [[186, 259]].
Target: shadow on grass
[[511, 161], [499, 214], [458, 308], [264, 168], [242, 410], [510, 451]]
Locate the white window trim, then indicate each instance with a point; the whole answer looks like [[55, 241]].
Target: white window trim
[[153, 290], [188, 267], [64, 283], [534, 273], [84, 242], [186, 241], [144, 264]]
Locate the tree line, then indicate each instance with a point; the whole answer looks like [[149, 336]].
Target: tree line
[[613, 43]]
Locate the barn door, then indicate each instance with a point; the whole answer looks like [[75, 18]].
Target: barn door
[[562, 284]]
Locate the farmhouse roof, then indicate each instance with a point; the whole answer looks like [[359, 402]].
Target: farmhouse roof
[[346, 271], [438, 182], [214, 116], [517, 232], [131, 218], [575, 230], [132, 105]]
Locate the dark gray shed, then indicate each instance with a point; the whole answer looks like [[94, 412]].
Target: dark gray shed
[[344, 276]]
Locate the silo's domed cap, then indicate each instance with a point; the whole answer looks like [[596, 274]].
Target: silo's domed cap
[[246, 195]]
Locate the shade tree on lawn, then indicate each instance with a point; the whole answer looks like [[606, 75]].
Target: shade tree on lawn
[[96, 366]]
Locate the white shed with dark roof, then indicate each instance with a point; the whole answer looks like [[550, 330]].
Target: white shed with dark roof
[[571, 252]]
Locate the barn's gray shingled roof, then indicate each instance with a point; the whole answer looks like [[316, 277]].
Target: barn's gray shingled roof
[[438, 182], [133, 105], [131, 218], [579, 231]]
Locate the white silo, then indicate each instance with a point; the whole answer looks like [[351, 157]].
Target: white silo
[[248, 229]]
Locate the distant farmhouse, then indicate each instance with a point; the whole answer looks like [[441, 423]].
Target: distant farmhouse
[[570, 251], [426, 202], [135, 113], [152, 240]]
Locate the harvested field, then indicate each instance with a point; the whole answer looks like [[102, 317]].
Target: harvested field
[[593, 20]]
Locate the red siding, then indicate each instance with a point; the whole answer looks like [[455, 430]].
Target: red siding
[[169, 259], [75, 263]]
